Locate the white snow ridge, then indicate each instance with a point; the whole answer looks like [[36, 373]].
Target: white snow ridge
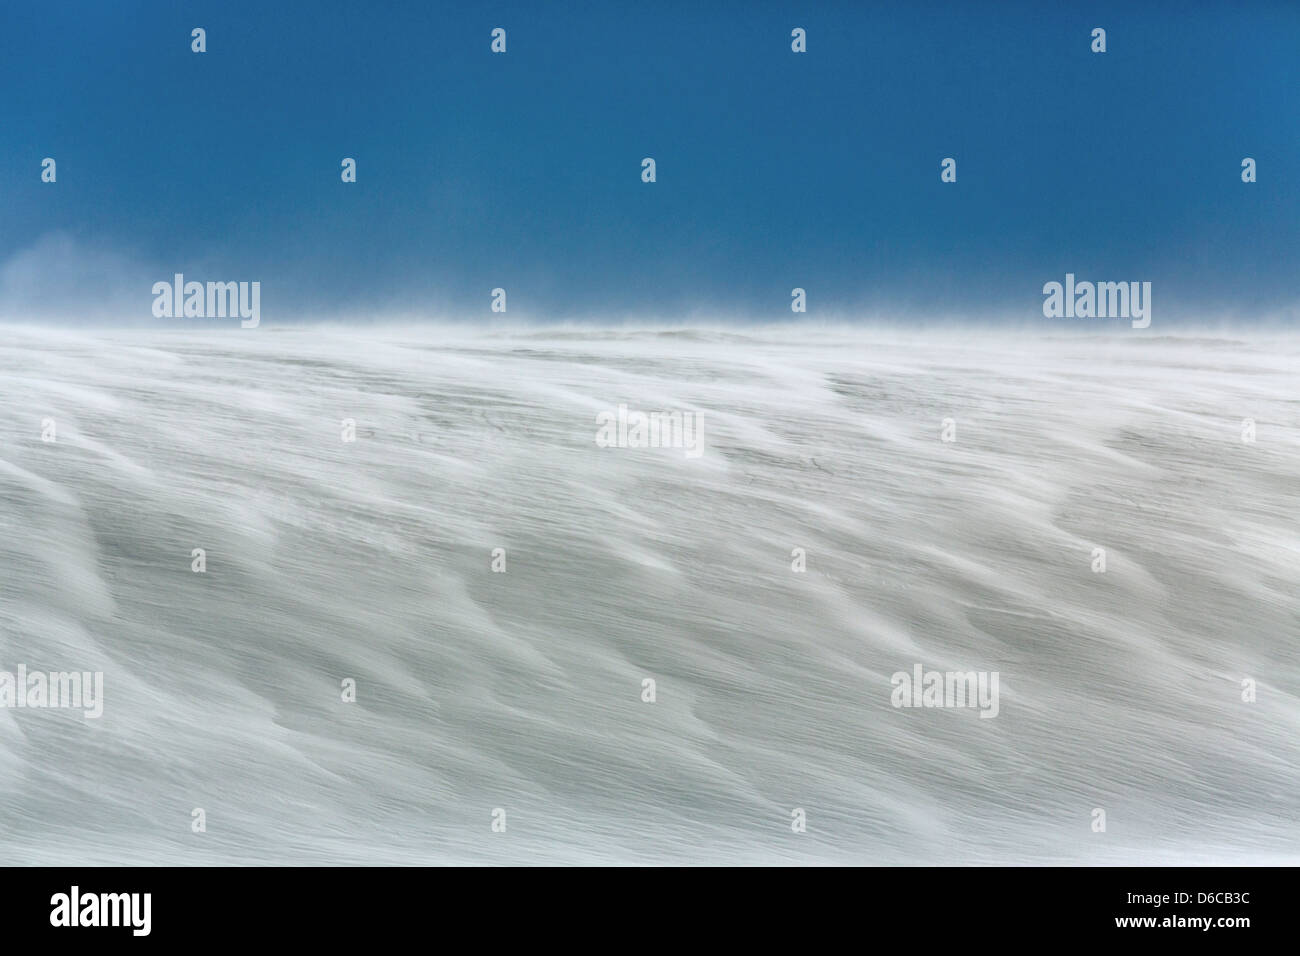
[[833, 531]]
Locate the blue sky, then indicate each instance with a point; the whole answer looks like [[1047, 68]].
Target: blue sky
[[775, 169]]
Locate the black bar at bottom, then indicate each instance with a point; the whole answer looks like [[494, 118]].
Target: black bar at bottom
[[333, 906]]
